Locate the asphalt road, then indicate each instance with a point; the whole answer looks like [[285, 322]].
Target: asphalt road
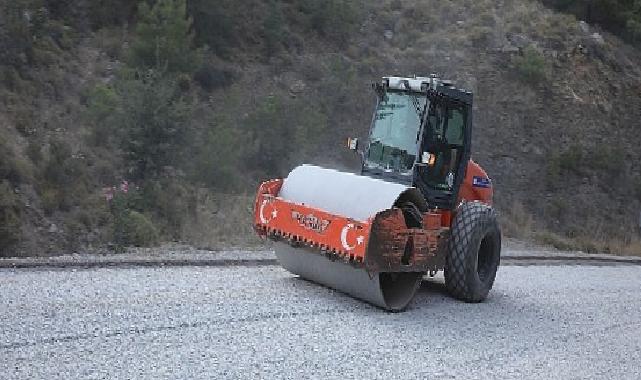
[[541, 322]]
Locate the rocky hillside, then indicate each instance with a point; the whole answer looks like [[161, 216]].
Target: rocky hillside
[[146, 124]]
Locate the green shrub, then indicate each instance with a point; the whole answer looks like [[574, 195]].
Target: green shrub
[[10, 77], [164, 40], [130, 226], [481, 36], [111, 41], [110, 12], [56, 171], [633, 27], [222, 26], [396, 5], [334, 20], [166, 203], [487, 18], [219, 156], [572, 160], [558, 208], [211, 77], [153, 123], [622, 17], [25, 120], [63, 169], [51, 200], [16, 33], [531, 65], [83, 225], [569, 161], [147, 117], [139, 230], [279, 129], [12, 167], [274, 31], [637, 188], [34, 151], [552, 170], [102, 110], [170, 201], [609, 161], [64, 178], [146, 111], [10, 217]]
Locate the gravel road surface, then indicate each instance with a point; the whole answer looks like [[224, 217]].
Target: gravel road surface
[[541, 322]]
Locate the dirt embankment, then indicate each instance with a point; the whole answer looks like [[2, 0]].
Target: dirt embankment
[[557, 110]]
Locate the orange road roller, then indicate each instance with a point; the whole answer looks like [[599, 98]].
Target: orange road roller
[[419, 205]]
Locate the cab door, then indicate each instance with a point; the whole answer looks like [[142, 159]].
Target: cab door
[[444, 150]]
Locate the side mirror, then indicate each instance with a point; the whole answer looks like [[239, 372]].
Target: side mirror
[[352, 144]]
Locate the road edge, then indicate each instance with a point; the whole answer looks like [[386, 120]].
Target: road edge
[[119, 262]]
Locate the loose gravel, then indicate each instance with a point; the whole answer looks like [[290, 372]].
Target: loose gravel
[[261, 322]]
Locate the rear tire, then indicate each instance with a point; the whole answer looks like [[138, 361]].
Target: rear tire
[[474, 252]]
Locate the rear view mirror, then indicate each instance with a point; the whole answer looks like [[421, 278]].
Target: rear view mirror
[[352, 144]]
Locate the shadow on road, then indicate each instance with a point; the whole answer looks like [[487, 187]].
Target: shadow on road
[[432, 286], [431, 294]]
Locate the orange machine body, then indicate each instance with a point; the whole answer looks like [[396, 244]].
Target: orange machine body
[[383, 243], [299, 224], [476, 186]]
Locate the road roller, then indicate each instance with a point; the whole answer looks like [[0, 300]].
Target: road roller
[[419, 204]]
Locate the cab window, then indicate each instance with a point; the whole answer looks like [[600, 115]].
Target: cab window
[[444, 138]]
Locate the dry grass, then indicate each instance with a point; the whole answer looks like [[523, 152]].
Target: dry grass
[[627, 246], [517, 222], [630, 248], [222, 221]]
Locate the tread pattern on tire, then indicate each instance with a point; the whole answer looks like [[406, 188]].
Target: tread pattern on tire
[[471, 223]]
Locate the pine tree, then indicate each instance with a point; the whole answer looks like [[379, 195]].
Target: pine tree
[[164, 40]]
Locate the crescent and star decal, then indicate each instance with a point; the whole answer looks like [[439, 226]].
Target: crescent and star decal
[[359, 240], [261, 214], [267, 216]]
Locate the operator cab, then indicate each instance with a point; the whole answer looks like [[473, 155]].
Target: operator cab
[[421, 136]]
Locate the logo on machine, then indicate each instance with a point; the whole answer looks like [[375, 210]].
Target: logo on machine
[[311, 222], [482, 182]]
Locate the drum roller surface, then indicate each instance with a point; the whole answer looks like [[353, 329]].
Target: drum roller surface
[[391, 291]]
